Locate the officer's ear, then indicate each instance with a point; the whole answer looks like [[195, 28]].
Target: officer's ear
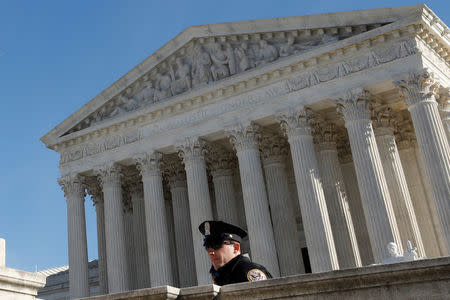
[[237, 247]]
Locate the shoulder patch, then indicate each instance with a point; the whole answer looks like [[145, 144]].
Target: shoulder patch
[[255, 275]]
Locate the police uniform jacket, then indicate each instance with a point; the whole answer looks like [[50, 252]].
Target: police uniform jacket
[[239, 269]]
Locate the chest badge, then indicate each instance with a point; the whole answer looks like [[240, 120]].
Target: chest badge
[[255, 275]]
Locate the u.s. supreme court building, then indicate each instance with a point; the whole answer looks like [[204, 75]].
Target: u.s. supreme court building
[[325, 136]]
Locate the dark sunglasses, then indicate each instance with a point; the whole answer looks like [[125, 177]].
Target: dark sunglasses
[[217, 246]]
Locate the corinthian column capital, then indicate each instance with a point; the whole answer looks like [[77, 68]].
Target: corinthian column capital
[[94, 189], [191, 149], [274, 148], [354, 106], [219, 158], [72, 185], [109, 174], [418, 87], [295, 122], [149, 164], [244, 136]]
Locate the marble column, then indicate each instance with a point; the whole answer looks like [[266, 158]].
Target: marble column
[[149, 164], [97, 197], [244, 138], [129, 238], [287, 241], [383, 122], [377, 205], [356, 208], [182, 224], [221, 163], [336, 197], [316, 223], [423, 205], [76, 224], [192, 152], [116, 257], [140, 235], [419, 90]]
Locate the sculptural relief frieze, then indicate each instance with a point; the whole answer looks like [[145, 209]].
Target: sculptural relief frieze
[[303, 80], [200, 64]]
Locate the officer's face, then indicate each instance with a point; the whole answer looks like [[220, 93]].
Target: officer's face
[[224, 254]]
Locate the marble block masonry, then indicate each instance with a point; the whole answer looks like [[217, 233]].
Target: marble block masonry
[[324, 136]]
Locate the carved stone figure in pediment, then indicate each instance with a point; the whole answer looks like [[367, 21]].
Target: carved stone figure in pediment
[[232, 64], [219, 69], [124, 103], [181, 78], [241, 54], [147, 92], [313, 43], [163, 84], [201, 66], [288, 48], [267, 53]]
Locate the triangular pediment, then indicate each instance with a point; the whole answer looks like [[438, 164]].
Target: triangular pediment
[[206, 54]]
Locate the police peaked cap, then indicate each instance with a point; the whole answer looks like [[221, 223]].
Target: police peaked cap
[[219, 231]]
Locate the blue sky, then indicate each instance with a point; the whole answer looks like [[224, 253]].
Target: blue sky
[[54, 57]]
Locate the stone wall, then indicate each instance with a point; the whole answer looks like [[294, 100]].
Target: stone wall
[[421, 279]]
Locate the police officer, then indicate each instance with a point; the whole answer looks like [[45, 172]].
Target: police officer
[[223, 243]]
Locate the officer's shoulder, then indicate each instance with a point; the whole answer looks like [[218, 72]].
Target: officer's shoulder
[[252, 271]]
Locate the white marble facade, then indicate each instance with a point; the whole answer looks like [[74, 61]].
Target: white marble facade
[[328, 132]]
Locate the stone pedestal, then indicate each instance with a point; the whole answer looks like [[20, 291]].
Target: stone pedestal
[[156, 219], [192, 153], [116, 257], [287, 241], [262, 243], [76, 224], [372, 184], [316, 224], [395, 178], [418, 91]]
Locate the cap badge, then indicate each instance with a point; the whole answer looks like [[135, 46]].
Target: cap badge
[[207, 229]]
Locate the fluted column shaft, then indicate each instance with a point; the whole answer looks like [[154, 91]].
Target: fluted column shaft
[[116, 254], [316, 223], [192, 152], [398, 189], [357, 212], [140, 237], [287, 240], [338, 207], [260, 232], [420, 200], [378, 210], [419, 91], [225, 195], [129, 244], [101, 243], [77, 243], [156, 220], [183, 233]]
